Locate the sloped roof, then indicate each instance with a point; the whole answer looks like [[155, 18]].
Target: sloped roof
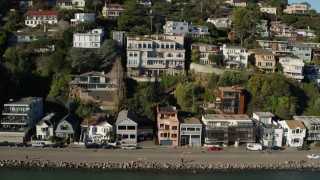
[[95, 120], [294, 124], [49, 119], [72, 119], [126, 114], [41, 13]]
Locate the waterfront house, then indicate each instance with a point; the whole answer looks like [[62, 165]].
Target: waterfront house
[[69, 127], [45, 128], [34, 18], [229, 100], [294, 132], [268, 132], [127, 127], [94, 86], [91, 39], [155, 55], [96, 128], [227, 129], [190, 131], [19, 117], [312, 123], [168, 124]]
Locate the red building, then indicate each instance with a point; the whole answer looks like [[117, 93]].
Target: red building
[[230, 100]]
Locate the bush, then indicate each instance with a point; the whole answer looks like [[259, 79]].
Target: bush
[[317, 144]]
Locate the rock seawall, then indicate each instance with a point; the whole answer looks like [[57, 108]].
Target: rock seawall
[[160, 167]]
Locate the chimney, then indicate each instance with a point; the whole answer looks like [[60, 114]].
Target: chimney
[[102, 72]]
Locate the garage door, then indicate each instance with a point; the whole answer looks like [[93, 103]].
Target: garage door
[[166, 143], [195, 144]]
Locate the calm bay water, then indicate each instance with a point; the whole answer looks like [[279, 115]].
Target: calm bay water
[[94, 175]]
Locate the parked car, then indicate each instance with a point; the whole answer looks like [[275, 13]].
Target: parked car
[[93, 146], [276, 148], [56, 145], [129, 147], [6, 143], [22, 144], [313, 156], [38, 144], [254, 146], [303, 148], [214, 149], [108, 146]]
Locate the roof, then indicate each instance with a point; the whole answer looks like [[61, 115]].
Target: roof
[[226, 117], [168, 109], [71, 118], [95, 73], [24, 101], [102, 95], [189, 120], [202, 44], [115, 4], [300, 45], [294, 124], [264, 114], [49, 119], [261, 51], [95, 120], [41, 13], [127, 114], [232, 88], [309, 119]]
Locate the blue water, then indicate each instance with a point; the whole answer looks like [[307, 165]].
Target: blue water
[[95, 175]]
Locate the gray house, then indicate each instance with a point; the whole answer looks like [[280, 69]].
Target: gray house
[[312, 124], [190, 131], [68, 127], [127, 127]]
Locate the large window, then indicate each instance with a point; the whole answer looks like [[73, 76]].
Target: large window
[[174, 127], [131, 127], [122, 127], [64, 127]]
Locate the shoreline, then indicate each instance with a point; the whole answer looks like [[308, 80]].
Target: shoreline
[[154, 167]]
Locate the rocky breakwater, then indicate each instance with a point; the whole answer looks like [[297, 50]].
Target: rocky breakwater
[[159, 167]]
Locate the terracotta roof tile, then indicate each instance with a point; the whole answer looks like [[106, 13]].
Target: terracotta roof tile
[[293, 124]]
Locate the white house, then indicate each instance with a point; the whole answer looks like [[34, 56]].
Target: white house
[[96, 128], [34, 18], [91, 39], [45, 128], [221, 22], [78, 4], [83, 18], [198, 31], [292, 67], [175, 28], [269, 10], [235, 56], [296, 8], [19, 117], [269, 133], [112, 11], [301, 50], [306, 32], [294, 132], [127, 127]]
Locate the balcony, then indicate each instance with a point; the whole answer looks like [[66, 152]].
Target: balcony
[[9, 111], [14, 121], [14, 129]]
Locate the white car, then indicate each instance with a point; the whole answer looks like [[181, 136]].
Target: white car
[[38, 144], [313, 156], [130, 147]]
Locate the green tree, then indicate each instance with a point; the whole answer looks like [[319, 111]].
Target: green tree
[[59, 90], [186, 95], [87, 108], [83, 59], [195, 56], [109, 50], [216, 58]]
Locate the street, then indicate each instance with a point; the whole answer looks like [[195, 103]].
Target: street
[[157, 154]]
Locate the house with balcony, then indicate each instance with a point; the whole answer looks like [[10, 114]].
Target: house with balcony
[[112, 11], [66, 4], [263, 59], [94, 86], [183, 28], [205, 50], [235, 56], [127, 127], [229, 100], [91, 39], [224, 11], [306, 32], [221, 22], [280, 29], [68, 127], [82, 18], [296, 9], [190, 131], [168, 126], [267, 130], [46, 127], [312, 123], [223, 129], [277, 47], [294, 132], [96, 128], [302, 51], [292, 67], [155, 55], [34, 18], [19, 117]]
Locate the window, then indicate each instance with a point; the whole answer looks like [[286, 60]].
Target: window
[[183, 129], [174, 128], [122, 127], [64, 127], [174, 135], [125, 136], [131, 127], [132, 136]]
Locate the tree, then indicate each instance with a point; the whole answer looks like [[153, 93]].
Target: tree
[[117, 74], [87, 108], [83, 59], [195, 56], [108, 52], [59, 90], [216, 58], [186, 96], [63, 25]]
